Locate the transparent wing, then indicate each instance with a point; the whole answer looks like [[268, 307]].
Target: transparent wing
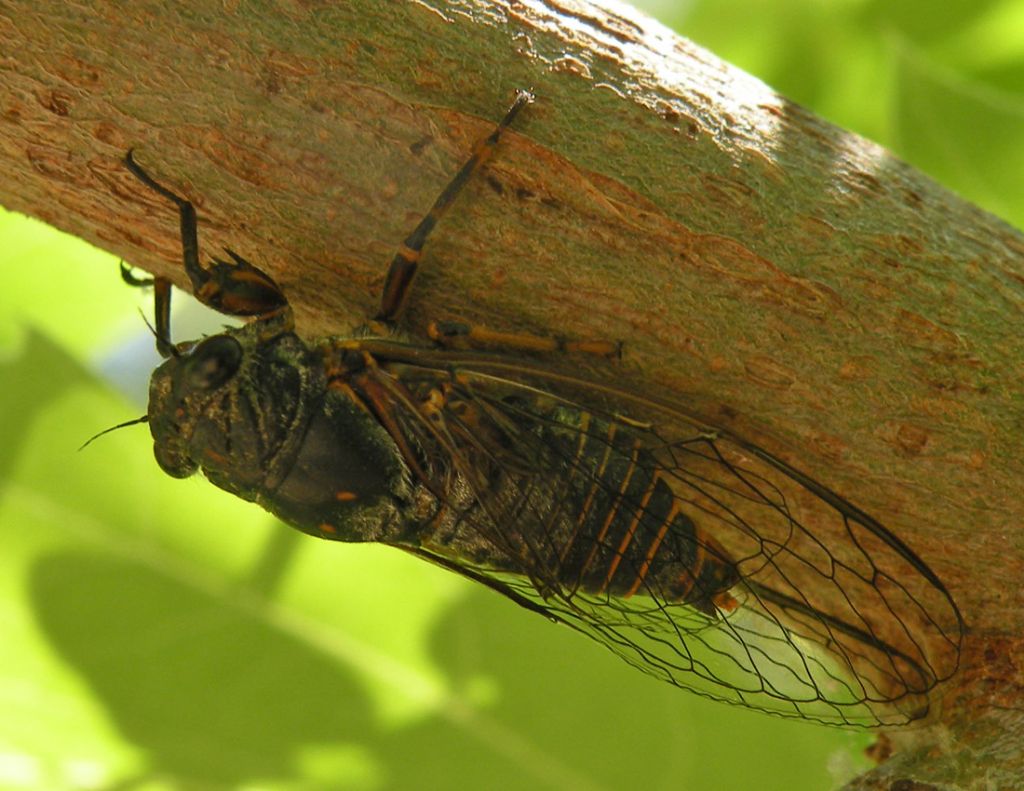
[[697, 558]]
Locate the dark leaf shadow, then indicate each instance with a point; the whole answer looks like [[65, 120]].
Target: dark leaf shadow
[[206, 689]]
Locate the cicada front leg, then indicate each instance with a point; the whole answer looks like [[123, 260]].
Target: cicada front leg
[[234, 287]]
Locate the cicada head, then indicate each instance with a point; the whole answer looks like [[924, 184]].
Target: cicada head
[[226, 403], [255, 415]]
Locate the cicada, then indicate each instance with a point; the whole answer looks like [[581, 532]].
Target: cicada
[[690, 552]]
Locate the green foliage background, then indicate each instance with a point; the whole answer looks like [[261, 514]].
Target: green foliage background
[[160, 635]]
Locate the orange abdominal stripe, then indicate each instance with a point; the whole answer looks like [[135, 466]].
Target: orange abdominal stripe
[[725, 602]]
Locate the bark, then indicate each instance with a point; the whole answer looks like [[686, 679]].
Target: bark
[[782, 277]]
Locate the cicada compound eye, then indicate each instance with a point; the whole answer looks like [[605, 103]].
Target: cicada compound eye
[[213, 362]]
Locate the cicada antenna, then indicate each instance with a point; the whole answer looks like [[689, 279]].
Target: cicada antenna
[[136, 421], [164, 346], [162, 304]]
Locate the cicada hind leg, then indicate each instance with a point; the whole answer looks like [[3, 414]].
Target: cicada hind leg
[[235, 287], [405, 264]]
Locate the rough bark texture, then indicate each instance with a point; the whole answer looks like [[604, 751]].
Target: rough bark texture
[[784, 278]]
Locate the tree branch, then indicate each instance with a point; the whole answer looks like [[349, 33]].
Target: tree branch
[[784, 278]]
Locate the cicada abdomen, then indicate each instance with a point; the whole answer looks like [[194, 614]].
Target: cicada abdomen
[[612, 524]]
